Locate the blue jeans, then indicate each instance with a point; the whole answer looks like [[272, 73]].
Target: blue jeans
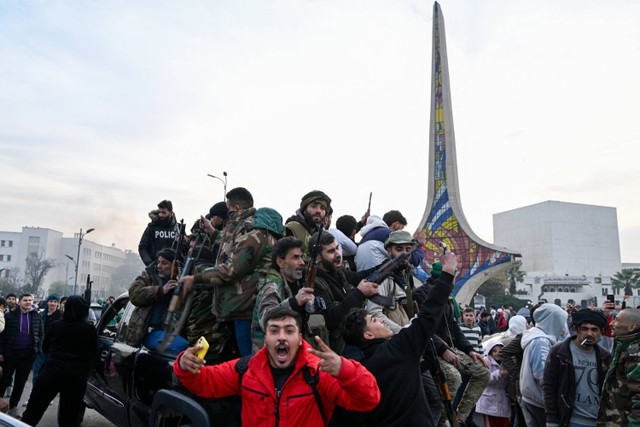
[[243, 336], [153, 339]]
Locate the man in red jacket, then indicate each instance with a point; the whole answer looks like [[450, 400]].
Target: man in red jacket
[[278, 385]]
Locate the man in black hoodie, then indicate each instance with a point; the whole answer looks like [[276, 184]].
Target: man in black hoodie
[[160, 232], [395, 359]]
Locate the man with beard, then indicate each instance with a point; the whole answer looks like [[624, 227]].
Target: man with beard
[[314, 206], [574, 373], [620, 398], [280, 285], [286, 382], [151, 294], [395, 317], [341, 289], [160, 232]]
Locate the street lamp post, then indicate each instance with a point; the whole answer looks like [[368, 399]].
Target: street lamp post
[[75, 264], [77, 260], [224, 182]]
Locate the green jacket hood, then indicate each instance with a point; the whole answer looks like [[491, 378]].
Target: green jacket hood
[[269, 219]]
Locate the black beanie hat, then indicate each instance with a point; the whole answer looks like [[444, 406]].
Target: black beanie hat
[[219, 209]]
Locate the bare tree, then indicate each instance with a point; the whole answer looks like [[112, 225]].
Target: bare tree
[[36, 268]]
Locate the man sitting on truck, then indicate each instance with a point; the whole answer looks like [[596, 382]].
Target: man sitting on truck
[[151, 293], [286, 381]]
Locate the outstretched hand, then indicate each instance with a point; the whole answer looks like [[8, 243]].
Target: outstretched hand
[[330, 362], [190, 362]]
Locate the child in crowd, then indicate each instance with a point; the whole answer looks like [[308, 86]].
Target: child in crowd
[[494, 402]]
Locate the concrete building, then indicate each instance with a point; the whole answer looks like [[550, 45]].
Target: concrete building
[[569, 250], [97, 260]]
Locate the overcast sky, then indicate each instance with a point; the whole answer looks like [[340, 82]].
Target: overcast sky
[[106, 108]]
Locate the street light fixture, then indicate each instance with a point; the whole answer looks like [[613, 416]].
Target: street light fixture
[[77, 260], [224, 182]]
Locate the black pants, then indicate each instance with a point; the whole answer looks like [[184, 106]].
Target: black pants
[[19, 362], [50, 382]]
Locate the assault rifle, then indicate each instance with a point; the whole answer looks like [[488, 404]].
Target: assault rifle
[[313, 260], [382, 273], [87, 291], [171, 326], [440, 381]]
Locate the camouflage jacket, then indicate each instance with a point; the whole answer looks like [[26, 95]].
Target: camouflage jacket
[[144, 292], [273, 291], [620, 399], [243, 260]]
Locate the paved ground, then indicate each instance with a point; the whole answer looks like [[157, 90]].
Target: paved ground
[[91, 417]]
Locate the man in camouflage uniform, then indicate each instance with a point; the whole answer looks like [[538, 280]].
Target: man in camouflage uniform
[[278, 288], [620, 399], [243, 260], [314, 207], [151, 293]]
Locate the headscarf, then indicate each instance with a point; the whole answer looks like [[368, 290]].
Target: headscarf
[[517, 324]]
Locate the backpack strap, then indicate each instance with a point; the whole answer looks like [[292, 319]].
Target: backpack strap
[[241, 367], [313, 381]]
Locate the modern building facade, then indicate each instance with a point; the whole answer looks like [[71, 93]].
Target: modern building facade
[[98, 261], [569, 250]]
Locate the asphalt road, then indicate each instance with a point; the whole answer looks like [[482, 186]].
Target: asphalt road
[[91, 417]]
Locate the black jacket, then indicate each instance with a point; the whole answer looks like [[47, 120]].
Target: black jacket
[[559, 383], [340, 296], [449, 330], [8, 336], [157, 236], [395, 362], [72, 347]]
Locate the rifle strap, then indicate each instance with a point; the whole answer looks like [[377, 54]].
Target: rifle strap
[[242, 365]]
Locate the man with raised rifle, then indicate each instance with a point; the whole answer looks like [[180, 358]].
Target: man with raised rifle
[[395, 286], [340, 289], [394, 359]]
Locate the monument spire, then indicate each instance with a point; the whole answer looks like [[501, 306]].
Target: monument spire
[[443, 219]]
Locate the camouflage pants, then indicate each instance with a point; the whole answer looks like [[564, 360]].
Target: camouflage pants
[[478, 380]]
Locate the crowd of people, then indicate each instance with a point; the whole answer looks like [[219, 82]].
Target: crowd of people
[[56, 341], [311, 328], [303, 328]]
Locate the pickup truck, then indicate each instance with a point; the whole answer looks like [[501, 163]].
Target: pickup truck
[[135, 386]]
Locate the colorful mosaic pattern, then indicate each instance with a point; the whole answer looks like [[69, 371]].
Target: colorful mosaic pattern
[[442, 224]]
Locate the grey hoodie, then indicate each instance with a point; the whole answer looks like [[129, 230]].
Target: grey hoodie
[[536, 343]]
